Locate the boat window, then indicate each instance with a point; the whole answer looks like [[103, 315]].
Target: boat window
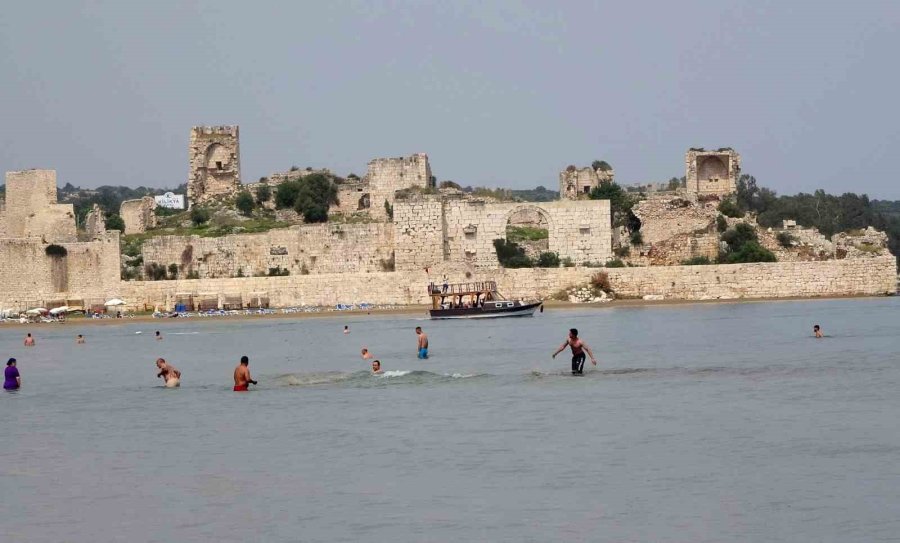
[[509, 304]]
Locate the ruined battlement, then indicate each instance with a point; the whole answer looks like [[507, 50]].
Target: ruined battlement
[[32, 210], [385, 176], [575, 183], [712, 172], [214, 163]]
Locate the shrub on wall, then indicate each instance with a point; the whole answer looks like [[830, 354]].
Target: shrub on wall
[[743, 246], [785, 239], [263, 193], [615, 263], [511, 255], [721, 223], [548, 259], [730, 209], [637, 238], [115, 222], [696, 261]]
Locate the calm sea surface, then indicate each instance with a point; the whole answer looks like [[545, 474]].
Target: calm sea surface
[[723, 422]]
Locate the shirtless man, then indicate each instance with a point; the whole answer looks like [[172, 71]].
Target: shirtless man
[[422, 344], [376, 367], [578, 349], [29, 341], [346, 329], [158, 335], [366, 355], [817, 331], [169, 373], [80, 339], [242, 378]]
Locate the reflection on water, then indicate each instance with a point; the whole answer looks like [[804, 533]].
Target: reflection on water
[[723, 422]]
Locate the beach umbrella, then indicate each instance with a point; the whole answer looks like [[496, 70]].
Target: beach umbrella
[[58, 310], [114, 301], [36, 311]]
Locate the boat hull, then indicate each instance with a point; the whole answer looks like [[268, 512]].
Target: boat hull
[[489, 311]]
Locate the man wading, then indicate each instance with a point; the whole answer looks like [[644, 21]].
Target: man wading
[[578, 349]]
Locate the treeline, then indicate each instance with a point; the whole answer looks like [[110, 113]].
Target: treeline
[[108, 197], [826, 212]]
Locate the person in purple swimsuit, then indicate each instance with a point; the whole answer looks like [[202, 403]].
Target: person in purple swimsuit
[[11, 379]]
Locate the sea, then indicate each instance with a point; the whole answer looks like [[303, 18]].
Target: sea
[[701, 422]]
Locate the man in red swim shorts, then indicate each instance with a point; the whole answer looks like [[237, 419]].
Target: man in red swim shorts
[[242, 378]]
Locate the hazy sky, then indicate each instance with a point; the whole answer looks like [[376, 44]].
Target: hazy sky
[[497, 93]]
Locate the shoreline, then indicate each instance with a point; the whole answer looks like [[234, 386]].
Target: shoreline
[[422, 310]]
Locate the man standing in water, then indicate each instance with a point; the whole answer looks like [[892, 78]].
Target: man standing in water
[[422, 344], [29, 341], [169, 373], [578, 349], [242, 379], [817, 332]]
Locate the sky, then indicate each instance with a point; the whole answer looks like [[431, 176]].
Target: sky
[[497, 93]]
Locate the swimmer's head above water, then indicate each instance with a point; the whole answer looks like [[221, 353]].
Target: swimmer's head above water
[[376, 366]]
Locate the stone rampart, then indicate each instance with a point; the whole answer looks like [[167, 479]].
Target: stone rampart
[[31, 277], [31, 208], [861, 277], [138, 215], [308, 249]]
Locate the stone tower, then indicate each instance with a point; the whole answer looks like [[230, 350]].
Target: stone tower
[[712, 172], [215, 163], [577, 183], [385, 176]]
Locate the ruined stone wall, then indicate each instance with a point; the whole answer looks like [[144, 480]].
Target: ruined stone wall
[[577, 229], [681, 247], [712, 172], [666, 216], [94, 222], [862, 277], [312, 249], [388, 175], [32, 210], [353, 197], [576, 183], [214, 163], [418, 232], [30, 276], [138, 215]]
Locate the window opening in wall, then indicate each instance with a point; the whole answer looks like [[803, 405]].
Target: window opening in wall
[[586, 189], [218, 164]]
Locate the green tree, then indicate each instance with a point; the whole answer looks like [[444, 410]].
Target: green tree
[[263, 193], [115, 222], [286, 194], [730, 209], [736, 237], [317, 193], [199, 215], [601, 165], [620, 202], [244, 203]]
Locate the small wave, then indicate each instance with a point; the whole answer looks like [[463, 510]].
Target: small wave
[[365, 378]]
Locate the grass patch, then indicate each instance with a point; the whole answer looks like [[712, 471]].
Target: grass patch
[[526, 233]]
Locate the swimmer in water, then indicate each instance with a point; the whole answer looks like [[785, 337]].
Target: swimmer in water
[[817, 332], [578, 349], [80, 339], [169, 373], [376, 367], [346, 329], [366, 355], [158, 335], [422, 344], [29, 341], [242, 379], [11, 378]]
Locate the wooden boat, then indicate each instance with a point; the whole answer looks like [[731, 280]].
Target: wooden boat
[[477, 300]]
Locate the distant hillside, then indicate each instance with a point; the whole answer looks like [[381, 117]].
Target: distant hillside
[[538, 194]]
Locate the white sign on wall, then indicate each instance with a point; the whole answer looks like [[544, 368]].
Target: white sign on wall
[[170, 200]]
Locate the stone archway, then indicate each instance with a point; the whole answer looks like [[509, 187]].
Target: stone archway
[[712, 167], [529, 227]]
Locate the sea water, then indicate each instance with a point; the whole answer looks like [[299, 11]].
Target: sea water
[[703, 422]]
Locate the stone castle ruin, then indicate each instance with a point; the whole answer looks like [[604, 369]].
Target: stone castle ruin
[[42, 263], [712, 172], [405, 233], [215, 163], [575, 183]]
